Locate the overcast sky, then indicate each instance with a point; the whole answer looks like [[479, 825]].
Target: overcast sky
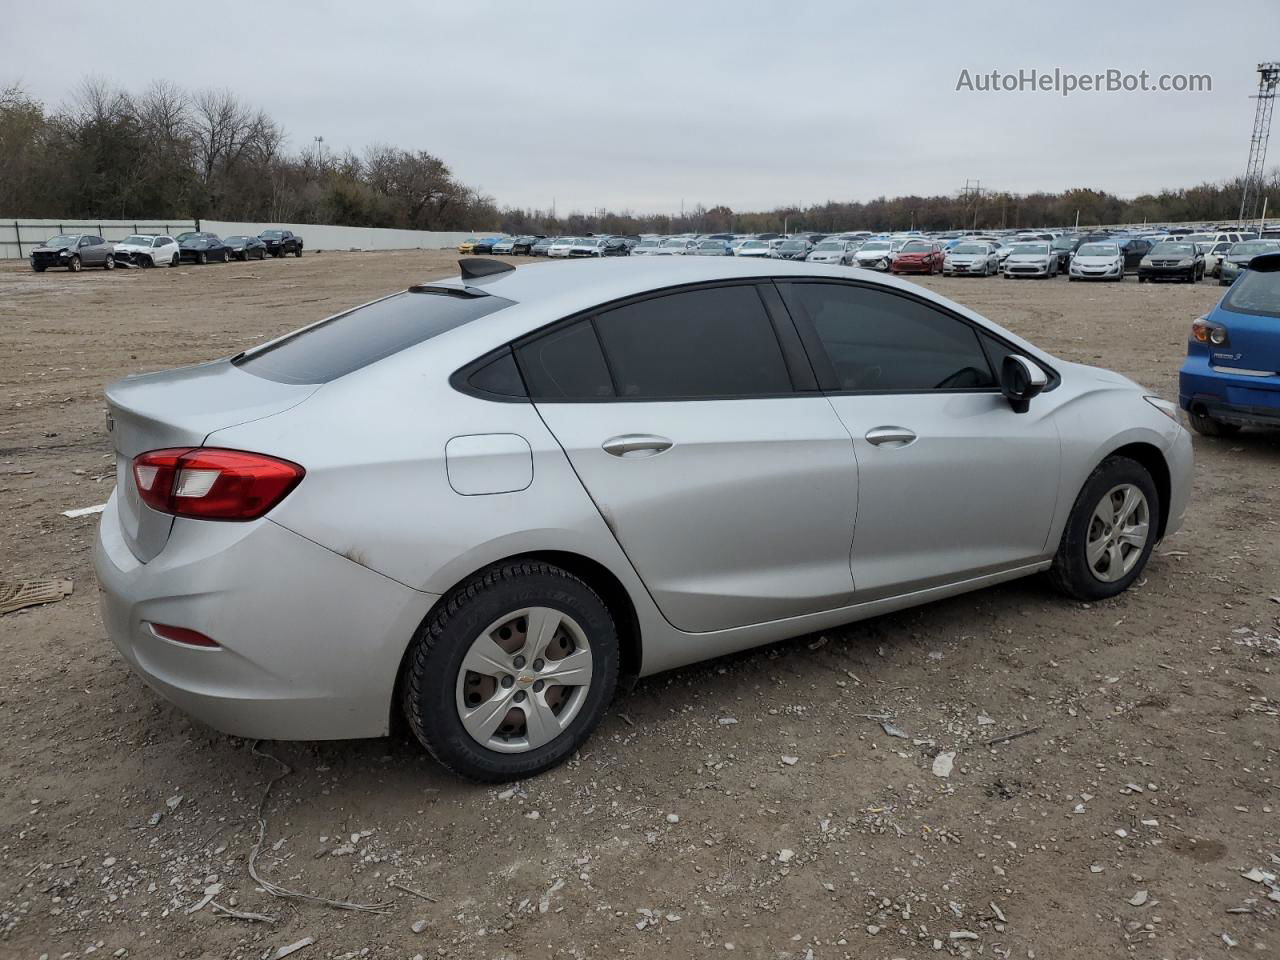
[[643, 105]]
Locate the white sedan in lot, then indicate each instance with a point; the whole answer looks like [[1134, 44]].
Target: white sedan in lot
[[482, 500], [1097, 261], [563, 246]]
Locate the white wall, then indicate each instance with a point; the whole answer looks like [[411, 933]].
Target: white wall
[[320, 237], [32, 232]]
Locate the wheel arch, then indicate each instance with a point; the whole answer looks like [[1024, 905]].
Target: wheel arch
[[595, 574], [1152, 459]]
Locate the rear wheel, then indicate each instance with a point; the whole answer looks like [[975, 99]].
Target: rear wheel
[[1208, 426], [38, 268], [109, 263], [512, 672], [174, 261], [202, 258], [1110, 533]]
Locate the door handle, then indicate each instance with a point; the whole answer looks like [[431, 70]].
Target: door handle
[[635, 445], [898, 436]]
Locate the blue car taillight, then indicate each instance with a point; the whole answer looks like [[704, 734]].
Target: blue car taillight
[[1206, 331]]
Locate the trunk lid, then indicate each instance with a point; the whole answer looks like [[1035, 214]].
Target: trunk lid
[[180, 408]]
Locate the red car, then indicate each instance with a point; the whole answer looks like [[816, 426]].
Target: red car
[[918, 256]]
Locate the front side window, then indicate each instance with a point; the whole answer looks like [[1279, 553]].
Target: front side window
[[880, 341], [714, 342]]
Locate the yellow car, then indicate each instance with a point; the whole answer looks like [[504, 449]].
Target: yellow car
[[467, 246]]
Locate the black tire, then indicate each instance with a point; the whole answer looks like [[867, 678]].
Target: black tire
[[202, 258], [74, 263], [298, 252], [109, 263], [438, 648], [174, 261], [1141, 278], [146, 262], [37, 269], [1071, 572], [1208, 426]]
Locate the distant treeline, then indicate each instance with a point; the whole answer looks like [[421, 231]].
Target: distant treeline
[[167, 152]]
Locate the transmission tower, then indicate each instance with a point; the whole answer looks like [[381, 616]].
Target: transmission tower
[[1268, 78]]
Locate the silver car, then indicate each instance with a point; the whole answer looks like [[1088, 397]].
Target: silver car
[[484, 502], [971, 259], [1030, 258], [833, 251]]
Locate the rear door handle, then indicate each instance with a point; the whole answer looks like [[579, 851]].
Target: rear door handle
[[635, 445], [898, 436]]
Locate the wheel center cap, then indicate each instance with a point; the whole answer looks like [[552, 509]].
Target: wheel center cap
[[525, 679]]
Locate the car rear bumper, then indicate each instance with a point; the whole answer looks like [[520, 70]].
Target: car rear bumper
[[1229, 397], [310, 642]]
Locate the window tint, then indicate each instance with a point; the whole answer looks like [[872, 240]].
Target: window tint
[[1256, 292], [717, 342], [566, 364], [365, 335], [881, 341], [499, 376]]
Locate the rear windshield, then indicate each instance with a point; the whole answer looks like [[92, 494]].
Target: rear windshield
[[365, 335], [1256, 292]]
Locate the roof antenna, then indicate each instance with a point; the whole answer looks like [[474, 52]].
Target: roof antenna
[[476, 268]]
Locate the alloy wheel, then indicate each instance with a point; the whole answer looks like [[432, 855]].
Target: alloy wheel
[[1118, 532], [524, 680]]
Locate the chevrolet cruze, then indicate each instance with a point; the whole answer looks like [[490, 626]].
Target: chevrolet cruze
[[483, 502]]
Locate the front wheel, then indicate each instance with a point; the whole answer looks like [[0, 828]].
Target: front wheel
[[74, 263], [1110, 532], [298, 252], [511, 672]]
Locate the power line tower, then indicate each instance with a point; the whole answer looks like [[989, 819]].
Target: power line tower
[[971, 196], [1268, 78]]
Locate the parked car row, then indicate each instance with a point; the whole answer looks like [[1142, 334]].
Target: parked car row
[[75, 251]]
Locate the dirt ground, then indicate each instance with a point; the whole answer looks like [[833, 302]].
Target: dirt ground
[[1120, 824]]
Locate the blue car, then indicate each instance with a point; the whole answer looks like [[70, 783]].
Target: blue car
[[1231, 378]]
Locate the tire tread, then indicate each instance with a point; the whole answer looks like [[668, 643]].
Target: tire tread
[[433, 633]]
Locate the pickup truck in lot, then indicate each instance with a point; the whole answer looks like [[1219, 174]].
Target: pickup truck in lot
[[281, 242]]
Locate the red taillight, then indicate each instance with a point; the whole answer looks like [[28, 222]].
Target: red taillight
[[190, 638], [212, 484]]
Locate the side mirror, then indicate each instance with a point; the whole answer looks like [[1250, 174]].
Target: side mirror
[[1020, 381]]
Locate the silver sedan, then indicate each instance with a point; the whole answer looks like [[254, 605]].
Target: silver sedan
[[484, 501]]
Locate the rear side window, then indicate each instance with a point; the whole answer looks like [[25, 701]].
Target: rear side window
[[879, 341], [1256, 292], [566, 364], [365, 335], [716, 342]]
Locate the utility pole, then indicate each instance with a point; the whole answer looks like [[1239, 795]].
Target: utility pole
[[1268, 78], [972, 193]]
